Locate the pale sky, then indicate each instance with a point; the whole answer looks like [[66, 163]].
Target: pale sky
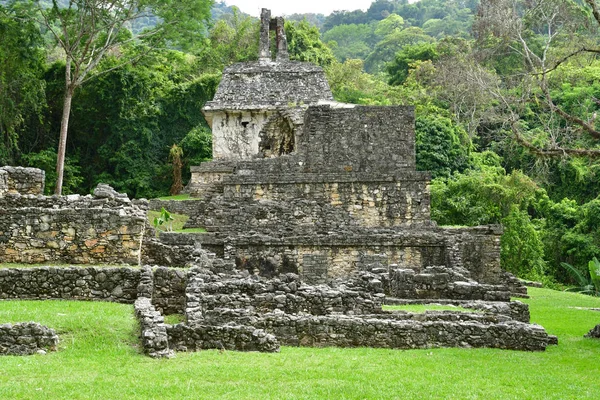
[[286, 7]]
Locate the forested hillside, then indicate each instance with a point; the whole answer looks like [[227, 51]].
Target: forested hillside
[[506, 93]]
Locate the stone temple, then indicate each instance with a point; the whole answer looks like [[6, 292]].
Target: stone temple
[[316, 218], [302, 184]]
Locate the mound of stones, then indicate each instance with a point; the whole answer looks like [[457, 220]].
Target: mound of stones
[[594, 332], [28, 338]]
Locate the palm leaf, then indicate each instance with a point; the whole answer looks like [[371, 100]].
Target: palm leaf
[[582, 281], [594, 267]]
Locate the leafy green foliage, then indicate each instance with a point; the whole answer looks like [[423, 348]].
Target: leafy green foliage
[[386, 49], [405, 59], [46, 160], [22, 94], [594, 269], [304, 44], [442, 146], [488, 195], [585, 285], [522, 250], [124, 122], [351, 41], [571, 234], [233, 38], [164, 218]]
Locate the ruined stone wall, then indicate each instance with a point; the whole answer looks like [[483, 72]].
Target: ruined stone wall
[[514, 309], [594, 332], [442, 283], [22, 180], [318, 316], [185, 207], [180, 249], [404, 331], [207, 178], [70, 283], [320, 258], [169, 286], [206, 299], [184, 337], [165, 286], [73, 229], [477, 249], [360, 139], [3, 182], [153, 330], [318, 261], [26, 338]]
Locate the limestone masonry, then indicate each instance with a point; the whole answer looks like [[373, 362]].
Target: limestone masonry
[[316, 219]]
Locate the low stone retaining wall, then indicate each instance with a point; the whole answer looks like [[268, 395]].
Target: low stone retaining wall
[[285, 293], [153, 329], [26, 338], [402, 330], [195, 337], [70, 283], [169, 290], [442, 283], [165, 286], [185, 207], [301, 315], [514, 309]]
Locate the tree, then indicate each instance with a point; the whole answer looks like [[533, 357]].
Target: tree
[[232, 39], [175, 155], [89, 30], [554, 40], [304, 44], [351, 41], [21, 83], [398, 69], [391, 44], [442, 147]]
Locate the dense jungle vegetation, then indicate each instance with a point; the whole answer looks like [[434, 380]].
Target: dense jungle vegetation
[[506, 95]]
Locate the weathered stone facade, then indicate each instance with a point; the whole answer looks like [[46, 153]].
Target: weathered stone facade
[[27, 338]]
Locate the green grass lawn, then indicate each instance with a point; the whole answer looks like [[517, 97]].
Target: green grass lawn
[[178, 197], [99, 359], [178, 222]]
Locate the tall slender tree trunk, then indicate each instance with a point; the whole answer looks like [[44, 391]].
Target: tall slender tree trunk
[[64, 127]]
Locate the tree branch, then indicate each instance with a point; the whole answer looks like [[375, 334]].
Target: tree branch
[[595, 10], [554, 152]]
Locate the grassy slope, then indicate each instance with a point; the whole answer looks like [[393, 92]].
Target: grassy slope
[[178, 223], [99, 359]]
